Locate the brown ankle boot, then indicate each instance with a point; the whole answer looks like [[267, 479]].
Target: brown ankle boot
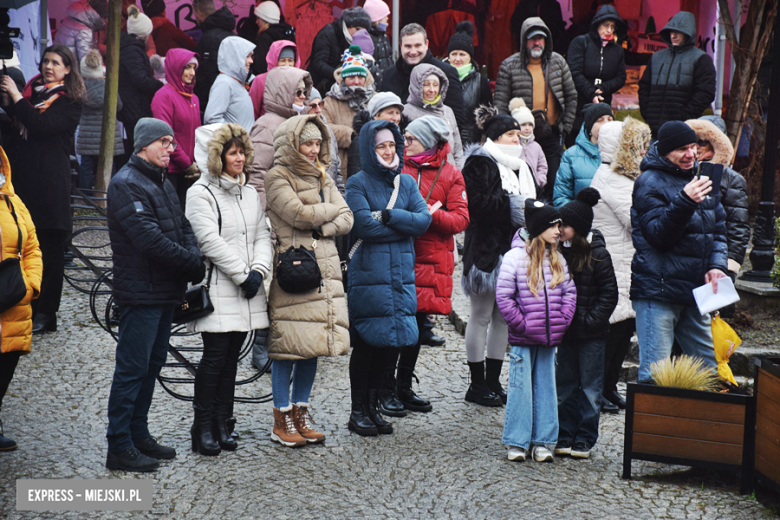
[[284, 429], [302, 420]]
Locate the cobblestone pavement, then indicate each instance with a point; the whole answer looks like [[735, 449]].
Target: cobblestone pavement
[[446, 464]]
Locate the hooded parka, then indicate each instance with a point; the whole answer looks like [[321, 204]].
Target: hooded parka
[[434, 259], [622, 145], [679, 81], [91, 124], [78, 31], [177, 105], [243, 244], [279, 96], [16, 322], [229, 101], [416, 107], [302, 199], [257, 90], [381, 284], [216, 27], [578, 165]]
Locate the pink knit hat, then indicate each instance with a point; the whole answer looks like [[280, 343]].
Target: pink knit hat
[[377, 10]]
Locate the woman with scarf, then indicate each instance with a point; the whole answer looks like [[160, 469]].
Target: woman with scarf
[[427, 92], [350, 94], [389, 214], [497, 183], [44, 119], [177, 105]]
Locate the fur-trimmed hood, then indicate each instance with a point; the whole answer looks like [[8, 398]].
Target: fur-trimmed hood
[[707, 131], [211, 139], [633, 141]]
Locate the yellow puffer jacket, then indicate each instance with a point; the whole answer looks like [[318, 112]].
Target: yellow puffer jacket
[[16, 322]]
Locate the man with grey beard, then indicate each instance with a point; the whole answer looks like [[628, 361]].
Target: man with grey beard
[[543, 79]]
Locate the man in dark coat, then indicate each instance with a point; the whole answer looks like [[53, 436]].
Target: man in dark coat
[[270, 29], [414, 50], [679, 233], [330, 43], [155, 254], [548, 11], [679, 82], [216, 26]]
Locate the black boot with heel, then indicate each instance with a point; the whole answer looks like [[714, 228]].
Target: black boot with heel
[[203, 440]]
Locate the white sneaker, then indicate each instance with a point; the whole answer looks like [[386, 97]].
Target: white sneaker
[[516, 454], [542, 454]]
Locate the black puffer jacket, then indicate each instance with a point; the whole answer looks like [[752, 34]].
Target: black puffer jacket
[[679, 82], [597, 292], [396, 79], [218, 26], [137, 85], [734, 199], [476, 91], [383, 52], [326, 51], [154, 249], [275, 32], [354, 164]]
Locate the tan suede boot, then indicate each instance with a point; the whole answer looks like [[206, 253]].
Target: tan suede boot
[[301, 418], [284, 431]]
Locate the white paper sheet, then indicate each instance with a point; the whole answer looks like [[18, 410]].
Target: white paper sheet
[[707, 301]]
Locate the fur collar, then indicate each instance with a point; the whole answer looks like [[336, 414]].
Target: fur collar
[[707, 131], [628, 154]]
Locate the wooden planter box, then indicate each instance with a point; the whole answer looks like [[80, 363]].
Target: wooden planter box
[[689, 428], [767, 432]]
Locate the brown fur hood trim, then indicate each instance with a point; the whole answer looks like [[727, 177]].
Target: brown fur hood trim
[[707, 131], [634, 139], [217, 142]]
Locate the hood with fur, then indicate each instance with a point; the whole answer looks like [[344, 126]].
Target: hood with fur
[[707, 131], [217, 142], [628, 155]]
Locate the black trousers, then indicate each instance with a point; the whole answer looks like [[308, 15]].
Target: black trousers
[[406, 357], [52, 243], [215, 380], [367, 364], [553, 150], [8, 362], [615, 350]]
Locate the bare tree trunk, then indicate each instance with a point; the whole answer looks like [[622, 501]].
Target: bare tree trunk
[[105, 162], [747, 55]]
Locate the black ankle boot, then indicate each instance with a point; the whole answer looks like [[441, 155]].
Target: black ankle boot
[[382, 426], [492, 377], [202, 438], [388, 398], [220, 428], [359, 420], [406, 395], [478, 391], [44, 322]]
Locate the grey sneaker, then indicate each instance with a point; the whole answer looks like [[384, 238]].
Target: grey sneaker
[[516, 454], [563, 448], [542, 454], [580, 450]]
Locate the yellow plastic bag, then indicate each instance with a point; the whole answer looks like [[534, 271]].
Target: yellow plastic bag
[[726, 342]]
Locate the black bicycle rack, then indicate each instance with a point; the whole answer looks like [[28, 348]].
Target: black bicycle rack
[[88, 270]]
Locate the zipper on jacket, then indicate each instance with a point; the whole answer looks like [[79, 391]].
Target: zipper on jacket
[[547, 313], [601, 62]]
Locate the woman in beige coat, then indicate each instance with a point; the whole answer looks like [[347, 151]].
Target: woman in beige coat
[[306, 209]]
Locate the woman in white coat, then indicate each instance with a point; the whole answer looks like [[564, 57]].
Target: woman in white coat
[[232, 233], [622, 147]]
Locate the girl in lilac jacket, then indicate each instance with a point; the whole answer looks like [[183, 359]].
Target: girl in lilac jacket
[[537, 298]]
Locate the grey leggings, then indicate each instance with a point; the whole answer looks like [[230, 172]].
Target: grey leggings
[[486, 327]]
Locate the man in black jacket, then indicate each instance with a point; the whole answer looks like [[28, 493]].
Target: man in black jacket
[[414, 50], [216, 26], [679, 82], [154, 254], [330, 43]]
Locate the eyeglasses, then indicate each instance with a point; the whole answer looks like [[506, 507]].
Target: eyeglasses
[[315, 104], [300, 93], [702, 143], [410, 140], [168, 142]]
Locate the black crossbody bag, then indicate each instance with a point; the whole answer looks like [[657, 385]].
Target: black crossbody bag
[[12, 287], [297, 270]]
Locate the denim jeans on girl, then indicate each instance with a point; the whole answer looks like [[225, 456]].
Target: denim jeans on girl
[[658, 324], [531, 415], [302, 372], [579, 378]]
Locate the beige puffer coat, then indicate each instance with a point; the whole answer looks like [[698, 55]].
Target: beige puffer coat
[[622, 147], [314, 323], [243, 244], [280, 86]]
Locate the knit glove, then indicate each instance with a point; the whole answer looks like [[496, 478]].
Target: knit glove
[[252, 284], [192, 172]]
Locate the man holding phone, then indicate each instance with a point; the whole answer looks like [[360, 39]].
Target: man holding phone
[[679, 233]]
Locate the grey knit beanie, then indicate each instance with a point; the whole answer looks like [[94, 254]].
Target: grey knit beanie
[[382, 100], [148, 130], [429, 130]]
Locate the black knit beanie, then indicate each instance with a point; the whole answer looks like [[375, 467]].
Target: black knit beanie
[[463, 39], [153, 8], [498, 125], [539, 216], [673, 135], [592, 112], [356, 17], [579, 212]]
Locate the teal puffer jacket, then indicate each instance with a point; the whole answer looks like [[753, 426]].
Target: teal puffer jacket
[[578, 166]]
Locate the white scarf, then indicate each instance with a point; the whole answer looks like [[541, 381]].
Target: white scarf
[[347, 36], [508, 158]]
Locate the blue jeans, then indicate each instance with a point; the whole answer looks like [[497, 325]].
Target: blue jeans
[[658, 324], [302, 381], [579, 378], [531, 415], [144, 331]]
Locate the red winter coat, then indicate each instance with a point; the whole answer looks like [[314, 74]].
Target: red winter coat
[[434, 263]]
